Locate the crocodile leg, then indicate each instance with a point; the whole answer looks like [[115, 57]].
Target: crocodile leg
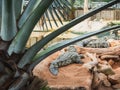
[[78, 60]]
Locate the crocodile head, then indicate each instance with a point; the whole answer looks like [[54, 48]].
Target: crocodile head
[[71, 48]]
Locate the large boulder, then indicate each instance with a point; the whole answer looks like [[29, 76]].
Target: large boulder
[[73, 76]]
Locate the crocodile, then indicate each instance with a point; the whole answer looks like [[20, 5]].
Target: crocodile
[[69, 57], [94, 43], [102, 42], [98, 43]]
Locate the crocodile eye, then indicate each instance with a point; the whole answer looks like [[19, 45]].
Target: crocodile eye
[[59, 64]]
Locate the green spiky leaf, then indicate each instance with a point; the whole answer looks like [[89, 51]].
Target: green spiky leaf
[[18, 44], [8, 23], [32, 51], [50, 50]]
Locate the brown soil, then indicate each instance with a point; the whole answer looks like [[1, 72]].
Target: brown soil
[[76, 75]]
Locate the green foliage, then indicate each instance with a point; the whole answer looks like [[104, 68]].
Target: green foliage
[[29, 19], [18, 8], [101, 0], [0, 12], [40, 44], [26, 22], [79, 3], [8, 23], [40, 56], [106, 0], [16, 28], [45, 88]]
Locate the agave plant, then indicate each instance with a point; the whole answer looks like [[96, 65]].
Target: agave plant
[[16, 61]]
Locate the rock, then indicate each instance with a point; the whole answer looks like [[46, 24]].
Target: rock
[[115, 79], [102, 87], [113, 42], [81, 77], [90, 65], [69, 57], [111, 62], [116, 57], [116, 86], [104, 79], [105, 68], [69, 77], [100, 78]]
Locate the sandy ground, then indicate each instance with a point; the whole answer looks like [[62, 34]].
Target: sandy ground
[[80, 27], [88, 26]]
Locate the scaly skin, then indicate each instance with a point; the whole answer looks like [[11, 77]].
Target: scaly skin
[[68, 57], [98, 44], [94, 43]]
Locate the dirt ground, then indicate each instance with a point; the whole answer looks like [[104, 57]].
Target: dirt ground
[[100, 71], [81, 77]]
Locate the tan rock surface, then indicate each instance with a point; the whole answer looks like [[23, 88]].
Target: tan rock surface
[[77, 75], [71, 76], [115, 79]]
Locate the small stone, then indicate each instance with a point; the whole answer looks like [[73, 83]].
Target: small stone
[[104, 79], [111, 62], [116, 86], [115, 79], [105, 68]]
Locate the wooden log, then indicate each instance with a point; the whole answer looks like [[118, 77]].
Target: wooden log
[[110, 57], [100, 51], [93, 63]]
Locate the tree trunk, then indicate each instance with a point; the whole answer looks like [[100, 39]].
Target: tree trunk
[[85, 6], [86, 10], [13, 78]]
